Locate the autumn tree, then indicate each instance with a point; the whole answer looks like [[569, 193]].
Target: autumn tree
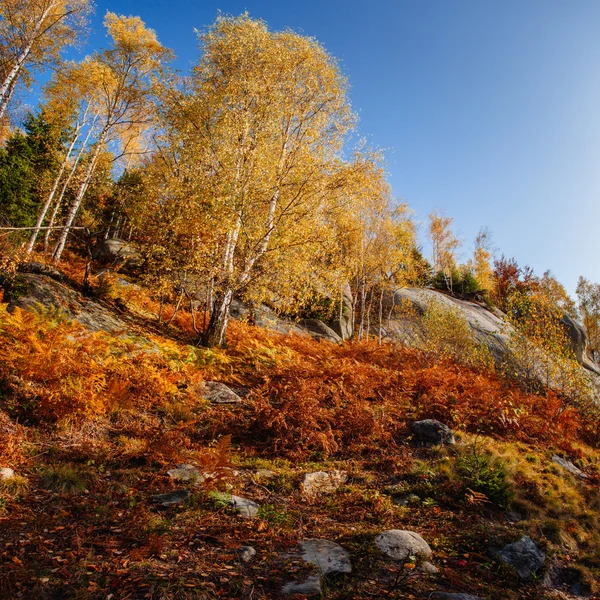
[[588, 297], [32, 35], [444, 245], [122, 79], [481, 266], [70, 103], [255, 145]]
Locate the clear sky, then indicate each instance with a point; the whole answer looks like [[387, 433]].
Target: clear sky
[[488, 110]]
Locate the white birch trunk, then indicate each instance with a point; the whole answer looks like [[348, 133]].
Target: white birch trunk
[[74, 208], [50, 198]]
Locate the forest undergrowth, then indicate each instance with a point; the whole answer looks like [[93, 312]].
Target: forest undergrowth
[[91, 422]]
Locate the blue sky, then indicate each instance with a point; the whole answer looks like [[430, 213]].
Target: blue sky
[[488, 111]]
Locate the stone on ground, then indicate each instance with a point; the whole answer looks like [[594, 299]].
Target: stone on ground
[[218, 393], [310, 587], [247, 554], [6, 473], [430, 432], [321, 482], [400, 545], [186, 473], [327, 556], [524, 556], [171, 498]]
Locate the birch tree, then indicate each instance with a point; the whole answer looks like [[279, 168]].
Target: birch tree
[[69, 105], [444, 245], [32, 35], [122, 83], [259, 134]]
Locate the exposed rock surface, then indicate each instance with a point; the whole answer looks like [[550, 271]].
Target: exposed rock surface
[[171, 498], [569, 466], [41, 269], [327, 556], [318, 330], [489, 325], [568, 579], [53, 294], [248, 509], [263, 316], [429, 569], [116, 251], [400, 545], [430, 432], [321, 482], [579, 342], [524, 556], [218, 393], [244, 507], [342, 323]]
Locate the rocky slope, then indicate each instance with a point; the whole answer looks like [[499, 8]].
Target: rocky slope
[[353, 470]]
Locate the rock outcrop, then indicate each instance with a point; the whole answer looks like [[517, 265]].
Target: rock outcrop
[[489, 325], [318, 330], [117, 252], [48, 292]]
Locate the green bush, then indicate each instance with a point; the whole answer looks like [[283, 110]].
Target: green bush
[[482, 472]]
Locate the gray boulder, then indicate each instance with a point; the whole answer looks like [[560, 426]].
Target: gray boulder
[[263, 316], [310, 587], [488, 326], [578, 340], [342, 324], [430, 432], [567, 579], [524, 556], [328, 557], [400, 545], [247, 554], [248, 509]]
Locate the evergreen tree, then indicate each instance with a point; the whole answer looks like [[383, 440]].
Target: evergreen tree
[[26, 164]]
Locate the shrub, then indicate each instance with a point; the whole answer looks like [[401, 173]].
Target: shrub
[[481, 472], [448, 335]]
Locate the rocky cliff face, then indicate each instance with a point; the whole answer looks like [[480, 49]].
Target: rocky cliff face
[[490, 326]]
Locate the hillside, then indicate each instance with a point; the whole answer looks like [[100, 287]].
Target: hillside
[[129, 473]]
